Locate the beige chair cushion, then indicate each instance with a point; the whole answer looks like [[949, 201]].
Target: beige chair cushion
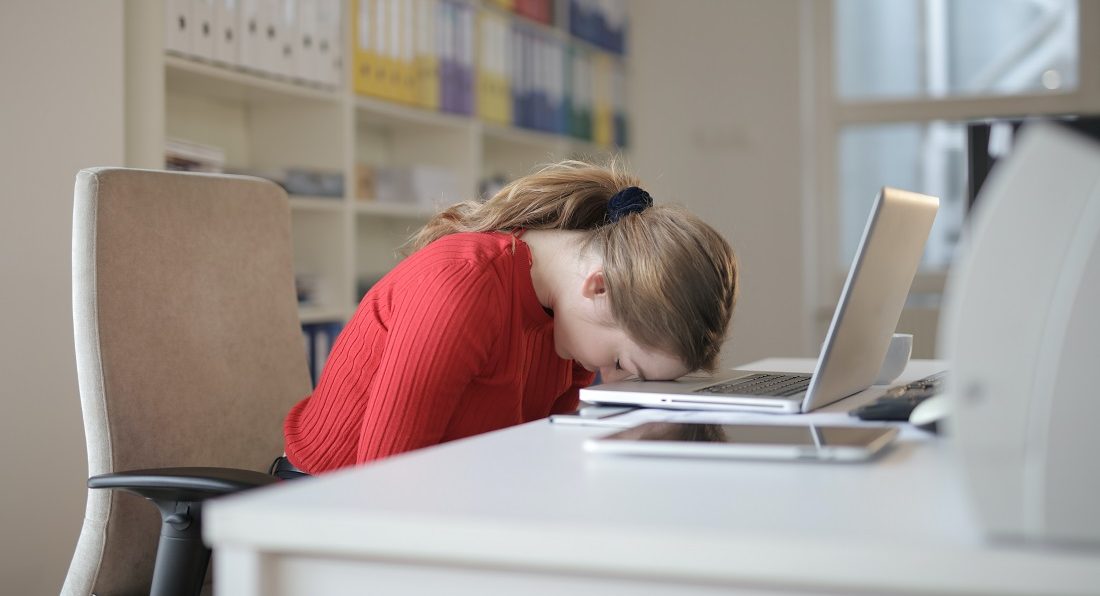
[[189, 346]]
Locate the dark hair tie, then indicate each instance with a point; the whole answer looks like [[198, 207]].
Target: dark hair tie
[[628, 200]]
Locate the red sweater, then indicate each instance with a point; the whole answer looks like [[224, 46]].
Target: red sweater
[[452, 343]]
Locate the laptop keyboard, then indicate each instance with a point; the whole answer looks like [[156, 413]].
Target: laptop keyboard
[[762, 384]]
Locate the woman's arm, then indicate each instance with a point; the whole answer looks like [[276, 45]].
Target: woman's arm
[[441, 335]]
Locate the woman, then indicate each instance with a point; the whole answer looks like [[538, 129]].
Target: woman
[[507, 307]]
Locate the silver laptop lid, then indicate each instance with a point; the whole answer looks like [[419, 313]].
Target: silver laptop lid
[[873, 296]]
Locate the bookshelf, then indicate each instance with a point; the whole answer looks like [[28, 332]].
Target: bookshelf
[[265, 123]]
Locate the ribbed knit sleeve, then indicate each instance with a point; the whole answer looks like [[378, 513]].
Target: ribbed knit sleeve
[[441, 337]]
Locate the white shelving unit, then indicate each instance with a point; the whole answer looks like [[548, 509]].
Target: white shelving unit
[[264, 122]]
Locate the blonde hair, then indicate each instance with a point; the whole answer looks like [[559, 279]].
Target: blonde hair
[[671, 278]]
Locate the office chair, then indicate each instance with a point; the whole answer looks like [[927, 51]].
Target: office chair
[[189, 353]]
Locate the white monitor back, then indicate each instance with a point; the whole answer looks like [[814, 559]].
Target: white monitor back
[[1021, 328]]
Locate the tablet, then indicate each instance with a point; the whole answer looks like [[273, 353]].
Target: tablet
[[747, 441]]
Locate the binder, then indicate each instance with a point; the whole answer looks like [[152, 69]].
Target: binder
[[602, 126], [227, 14], [408, 88], [540, 103], [516, 74], [457, 58], [308, 62], [536, 10], [602, 23], [383, 28], [553, 84], [531, 84], [579, 18], [503, 44], [364, 57], [447, 66], [489, 76], [330, 44], [381, 48], [177, 27], [565, 122], [427, 62], [466, 59], [529, 76], [396, 71], [485, 96], [582, 95], [379, 30], [396, 50], [520, 75], [269, 36], [250, 40], [558, 121], [202, 29], [286, 21], [619, 95], [617, 25]]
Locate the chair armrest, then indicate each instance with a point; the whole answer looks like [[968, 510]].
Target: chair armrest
[[182, 484], [178, 493]]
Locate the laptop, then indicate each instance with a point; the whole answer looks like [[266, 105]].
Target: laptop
[[855, 346]]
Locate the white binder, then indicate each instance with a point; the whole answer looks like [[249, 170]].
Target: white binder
[[202, 29], [250, 36], [288, 30], [227, 16], [307, 61], [177, 26], [330, 44]]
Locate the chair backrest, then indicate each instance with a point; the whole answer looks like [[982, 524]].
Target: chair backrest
[[188, 344]]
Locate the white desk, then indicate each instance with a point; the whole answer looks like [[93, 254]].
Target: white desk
[[526, 511]]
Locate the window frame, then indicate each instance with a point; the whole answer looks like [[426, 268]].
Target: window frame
[[824, 114]]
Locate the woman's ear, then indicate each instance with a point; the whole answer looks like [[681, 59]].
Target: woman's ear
[[594, 285]]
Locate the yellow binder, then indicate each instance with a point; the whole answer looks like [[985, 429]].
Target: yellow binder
[[365, 57], [426, 61], [603, 118], [407, 91]]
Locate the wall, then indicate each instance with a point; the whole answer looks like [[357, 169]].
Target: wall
[[714, 94], [61, 109]]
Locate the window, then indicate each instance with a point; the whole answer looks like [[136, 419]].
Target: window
[[891, 87], [913, 50], [930, 157], [941, 48]]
